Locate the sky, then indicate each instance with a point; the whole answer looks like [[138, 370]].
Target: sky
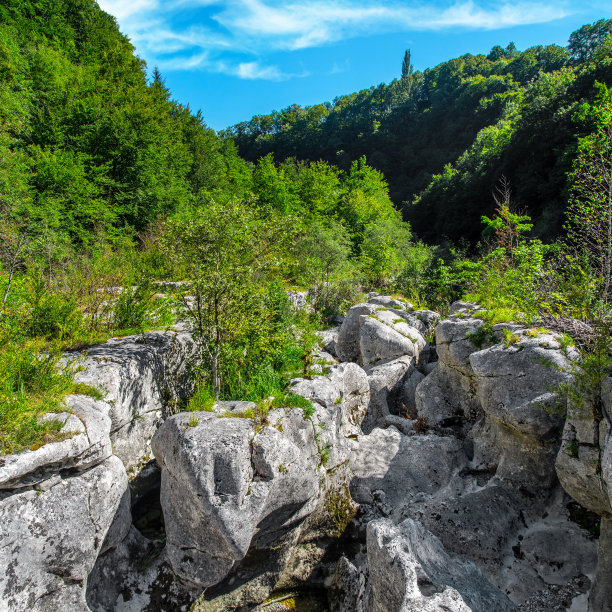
[[233, 59]]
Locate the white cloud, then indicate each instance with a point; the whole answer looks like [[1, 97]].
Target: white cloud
[[236, 34], [253, 70]]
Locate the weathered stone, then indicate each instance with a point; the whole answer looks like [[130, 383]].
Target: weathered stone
[[88, 445], [403, 467], [464, 308], [51, 539], [381, 338], [402, 424], [390, 302], [345, 387], [456, 340], [386, 380], [300, 301], [236, 407], [446, 398], [347, 343], [141, 376], [407, 397], [136, 576], [518, 460], [478, 524], [225, 486], [410, 570], [600, 597], [350, 592], [539, 364]]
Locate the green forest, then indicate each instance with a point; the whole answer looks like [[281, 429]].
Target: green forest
[[121, 211]]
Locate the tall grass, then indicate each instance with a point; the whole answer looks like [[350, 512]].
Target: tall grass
[[32, 384]]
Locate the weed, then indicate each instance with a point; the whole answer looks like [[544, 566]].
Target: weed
[[202, 400], [566, 341], [88, 390], [193, 422], [481, 336], [324, 456], [509, 337]]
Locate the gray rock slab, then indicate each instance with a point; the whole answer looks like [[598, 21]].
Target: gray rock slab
[[410, 570], [88, 445], [515, 382], [403, 467], [51, 539]]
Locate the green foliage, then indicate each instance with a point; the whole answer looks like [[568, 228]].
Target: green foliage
[[589, 215], [31, 384], [202, 400], [224, 252], [509, 113], [583, 43]]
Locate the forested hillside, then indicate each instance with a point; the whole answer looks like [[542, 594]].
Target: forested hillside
[[108, 186], [444, 137], [111, 192]]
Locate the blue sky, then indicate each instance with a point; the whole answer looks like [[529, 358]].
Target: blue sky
[[237, 58]]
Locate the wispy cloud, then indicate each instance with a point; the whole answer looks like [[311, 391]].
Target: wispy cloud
[[236, 36]]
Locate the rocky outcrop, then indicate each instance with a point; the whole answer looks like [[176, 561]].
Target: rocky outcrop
[[515, 382], [382, 329], [448, 396], [142, 379], [235, 486], [87, 443], [52, 537], [225, 487], [66, 504], [584, 467], [409, 569], [447, 446], [476, 468]]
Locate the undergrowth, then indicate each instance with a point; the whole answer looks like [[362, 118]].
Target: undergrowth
[[33, 383]]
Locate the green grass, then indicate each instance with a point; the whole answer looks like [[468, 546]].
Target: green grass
[[202, 400], [32, 384]]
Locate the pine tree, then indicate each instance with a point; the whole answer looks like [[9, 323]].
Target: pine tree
[[407, 68]]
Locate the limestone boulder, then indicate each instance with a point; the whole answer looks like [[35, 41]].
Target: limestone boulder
[[584, 462], [407, 396], [515, 381], [328, 339], [372, 333], [409, 569], [141, 377], [457, 338], [347, 343], [226, 486], [388, 301], [383, 337], [386, 380], [344, 390], [87, 428], [52, 538], [447, 397], [401, 469]]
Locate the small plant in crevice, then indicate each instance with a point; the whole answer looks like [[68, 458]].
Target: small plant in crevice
[[509, 337], [341, 509], [483, 335]]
